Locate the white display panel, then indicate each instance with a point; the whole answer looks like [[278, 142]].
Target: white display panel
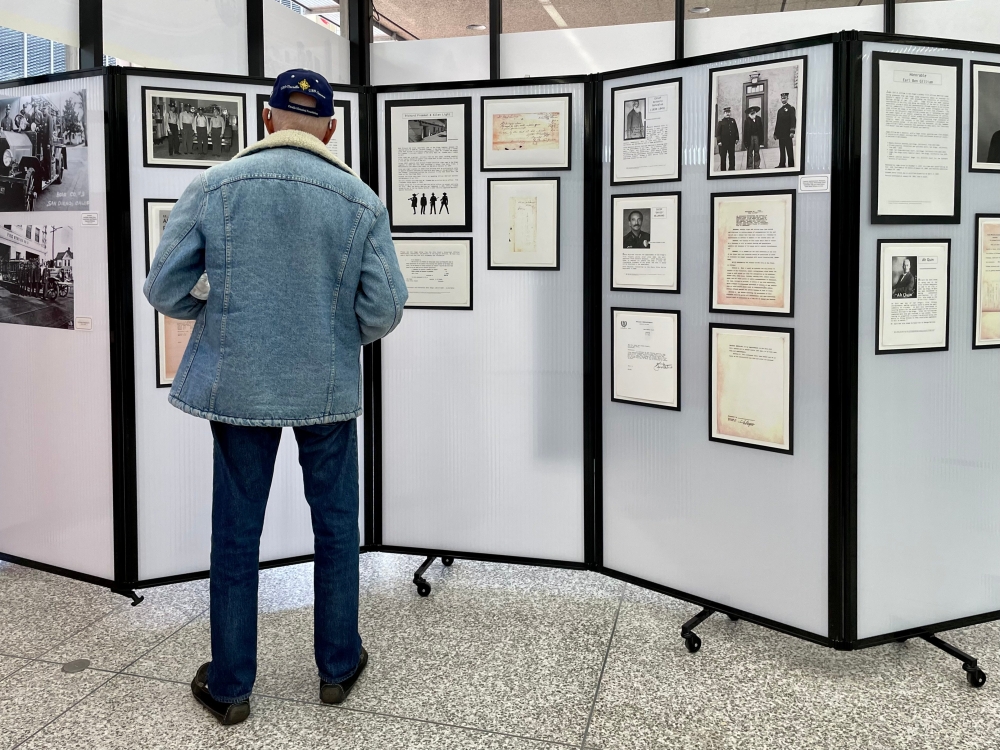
[[742, 527], [173, 449], [464, 58], [58, 20], [482, 419], [55, 403]]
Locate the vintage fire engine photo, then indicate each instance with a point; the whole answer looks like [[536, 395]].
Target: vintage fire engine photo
[[36, 275]]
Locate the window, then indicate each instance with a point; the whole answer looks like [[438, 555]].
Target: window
[[26, 55]]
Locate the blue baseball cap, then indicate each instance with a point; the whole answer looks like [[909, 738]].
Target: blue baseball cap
[[301, 81]]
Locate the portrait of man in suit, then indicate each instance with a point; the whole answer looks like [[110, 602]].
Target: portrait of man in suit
[[635, 119], [904, 277]]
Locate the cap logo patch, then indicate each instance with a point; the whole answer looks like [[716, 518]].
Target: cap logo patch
[[304, 84]]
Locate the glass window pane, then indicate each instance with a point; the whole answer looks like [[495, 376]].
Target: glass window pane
[[406, 20], [716, 8], [11, 54], [543, 15], [39, 56]]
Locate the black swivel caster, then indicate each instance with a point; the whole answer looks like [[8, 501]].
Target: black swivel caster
[[733, 618], [976, 677], [692, 642], [447, 561], [423, 588]]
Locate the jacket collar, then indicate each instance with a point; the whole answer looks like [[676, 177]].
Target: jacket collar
[[300, 140]]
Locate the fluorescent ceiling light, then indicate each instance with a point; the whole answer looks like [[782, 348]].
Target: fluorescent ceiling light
[[554, 14], [700, 9], [476, 27]]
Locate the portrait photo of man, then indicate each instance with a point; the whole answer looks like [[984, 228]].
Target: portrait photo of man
[[904, 277], [635, 119], [784, 132], [635, 237]]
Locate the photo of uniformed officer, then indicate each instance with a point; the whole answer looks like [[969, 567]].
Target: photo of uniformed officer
[[635, 119], [194, 129], [636, 223], [904, 277]]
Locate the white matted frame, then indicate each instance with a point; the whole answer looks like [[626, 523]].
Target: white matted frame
[[523, 221], [527, 132]]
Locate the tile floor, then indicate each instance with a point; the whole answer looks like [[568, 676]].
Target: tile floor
[[498, 656]]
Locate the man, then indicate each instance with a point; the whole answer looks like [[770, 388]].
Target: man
[[201, 128], [434, 200], [635, 238], [173, 137], [277, 344], [444, 204], [6, 123], [906, 286], [634, 127], [423, 203], [227, 132], [753, 137], [727, 135], [993, 155], [217, 124], [784, 132], [186, 119], [413, 203], [23, 121]]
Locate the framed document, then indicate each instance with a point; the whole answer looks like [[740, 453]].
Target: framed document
[[916, 139], [913, 278], [984, 138], [753, 253], [756, 119], [751, 377], [523, 224], [191, 129], [527, 132], [437, 270], [428, 164], [646, 357], [646, 242], [340, 145], [172, 335], [986, 315], [646, 133]]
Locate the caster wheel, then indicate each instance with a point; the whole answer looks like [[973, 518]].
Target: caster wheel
[[976, 678], [733, 618], [424, 589], [692, 642], [447, 561]]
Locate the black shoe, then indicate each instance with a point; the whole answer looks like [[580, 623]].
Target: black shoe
[[337, 692], [227, 713]]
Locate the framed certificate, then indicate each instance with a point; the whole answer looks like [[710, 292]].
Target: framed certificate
[[527, 132], [191, 128], [646, 242], [984, 124], [913, 278], [523, 224], [646, 133], [428, 164], [986, 314], [646, 357], [340, 145], [172, 335], [916, 139], [751, 379], [437, 271], [753, 253]]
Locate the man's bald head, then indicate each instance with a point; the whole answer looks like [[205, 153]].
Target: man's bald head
[[283, 119]]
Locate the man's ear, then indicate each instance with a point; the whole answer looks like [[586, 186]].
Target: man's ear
[[268, 122], [331, 128]]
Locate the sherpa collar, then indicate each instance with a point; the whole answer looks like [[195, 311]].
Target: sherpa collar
[[300, 140]]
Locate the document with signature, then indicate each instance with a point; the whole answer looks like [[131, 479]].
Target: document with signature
[[526, 132], [646, 357]]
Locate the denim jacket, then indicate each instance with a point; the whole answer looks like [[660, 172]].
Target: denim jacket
[[301, 271]]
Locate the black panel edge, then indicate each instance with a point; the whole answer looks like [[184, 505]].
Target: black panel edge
[[483, 557], [902, 635], [680, 16], [496, 29], [56, 570], [255, 38], [90, 25], [485, 84], [927, 41]]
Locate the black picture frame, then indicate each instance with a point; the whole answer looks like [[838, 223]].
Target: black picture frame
[[466, 103], [956, 216], [711, 255], [195, 94], [611, 254], [149, 258], [472, 258], [676, 314], [712, 326], [489, 223], [680, 129], [878, 296], [568, 96], [263, 99], [800, 130], [977, 287], [973, 124]]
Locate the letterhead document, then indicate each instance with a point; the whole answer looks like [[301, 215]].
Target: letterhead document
[[913, 295], [527, 132], [438, 271], [987, 282], [646, 357], [645, 242], [524, 223], [751, 386], [646, 132], [172, 335]]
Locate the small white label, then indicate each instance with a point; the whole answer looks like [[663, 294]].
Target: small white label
[[814, 183], [84, 324], [90, 219]]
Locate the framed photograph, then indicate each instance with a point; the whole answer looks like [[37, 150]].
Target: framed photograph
[[984, 151], [916, 139], [753, 253], [913, 279], [523, 224], [36, 273], [172, 335], [646, 243], [437, 270], [527, 132], [428, 164], [756, 119], [751, 386], [194, 129], [646, 357], [340, 145], [646, 133], [986, 314]]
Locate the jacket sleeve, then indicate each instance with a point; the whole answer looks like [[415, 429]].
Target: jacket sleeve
[[382, 293], [180, 258]]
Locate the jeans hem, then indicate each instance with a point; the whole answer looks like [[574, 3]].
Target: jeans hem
[[230, 700]]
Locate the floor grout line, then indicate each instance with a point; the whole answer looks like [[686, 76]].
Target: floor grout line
[[159, 643], [604, 664], [63, 713]]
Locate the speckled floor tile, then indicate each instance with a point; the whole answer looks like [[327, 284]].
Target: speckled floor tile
[[190, 598], [106, 720], [33, 696], [179, 656], [10, 664], [751, 688]]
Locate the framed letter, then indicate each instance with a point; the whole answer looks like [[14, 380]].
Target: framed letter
[[340, 145], [438, 271], [986, 315], [646, 357], [753, 253], [916, 139], [172, 335], [646, 133], [646, 242], [913, 277], [191, 128], [523, 224], [751, 386], [984, 152], [428, 164], [527, 132], [756, 119]]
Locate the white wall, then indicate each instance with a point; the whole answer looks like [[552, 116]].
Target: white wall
[[293, 41], [52, 19], [465, 58], [971, 20]]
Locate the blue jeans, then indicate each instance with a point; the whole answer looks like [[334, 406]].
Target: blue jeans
[[244, 467]]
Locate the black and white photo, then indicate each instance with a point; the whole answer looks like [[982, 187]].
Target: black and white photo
[[635, 119], [646, 128], [430, 130], [36, 275], [913, 280], [191, 128], [904, 277], [985, 121], [645, 242]]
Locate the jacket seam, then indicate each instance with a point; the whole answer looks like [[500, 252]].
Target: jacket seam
[[194, 349], [225, 301], [397, 315], [282, 421], [294, 178], [333, 313]]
